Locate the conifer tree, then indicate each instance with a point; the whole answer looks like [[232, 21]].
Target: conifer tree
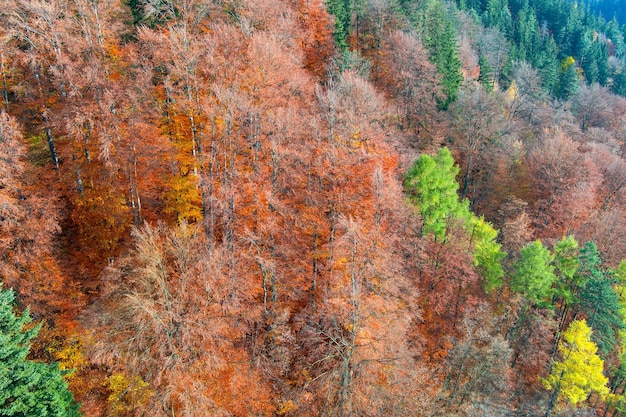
[[486, 73], [440, 39], [597, 298], [568, 79], [342, 10], [28, 388]]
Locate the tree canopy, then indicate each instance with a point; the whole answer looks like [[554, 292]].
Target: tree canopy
[[28, 388]]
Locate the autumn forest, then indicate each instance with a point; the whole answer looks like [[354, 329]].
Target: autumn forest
[[306, 208]]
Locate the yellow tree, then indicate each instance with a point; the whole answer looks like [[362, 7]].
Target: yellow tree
[[579, 373]]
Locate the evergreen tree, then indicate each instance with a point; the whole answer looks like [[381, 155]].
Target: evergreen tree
[[342, 10], [602, 58], [497, 15], [28, 388], [618, 86], [616, 36], [440, 39], [533, 274], [526, 36], [486, 73], [547, 63], [566, 263], [597, 298], [568, 79]]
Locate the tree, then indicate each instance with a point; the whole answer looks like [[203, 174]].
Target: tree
[[597, 298], [533, 274], [478, 125], [408, 75], [594, 106], [579, 373], [28, 388], [431, 183], [477, 368], [488, 254], [440, 39], [494, 47], [170, 317], [486, 73], [342, 11], [568, 79]]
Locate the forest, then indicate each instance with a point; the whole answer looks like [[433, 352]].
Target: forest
[[396, 208]]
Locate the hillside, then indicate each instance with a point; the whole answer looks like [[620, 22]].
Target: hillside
[[298, 208]]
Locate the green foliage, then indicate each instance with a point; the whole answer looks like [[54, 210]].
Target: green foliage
[[598, 298], [533, 274], [28, 388], [342, 11], [497, 14], [579, 373], [432, 186], [619, 82], [486, 73], [440, 39], [488, 254], [544, 32], [547, 63], [566, 263], [568, 79], [525, 35]]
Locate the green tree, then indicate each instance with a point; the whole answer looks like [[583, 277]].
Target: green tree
[[440, 39], [28, 388], [598, 298], [579, 372], [533, 274], [497, 14], [547, 63], [486, 73], [488, 254], [526, 36], [342, 10], [432, 187], [566, 263], [618, 86], [568, 79]]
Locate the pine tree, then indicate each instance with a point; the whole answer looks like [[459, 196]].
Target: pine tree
[[440, 39], [486, 73], [28, 388], [342, 10], [597, 298]]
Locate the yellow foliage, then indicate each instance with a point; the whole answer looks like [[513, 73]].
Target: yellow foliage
[[71, 359], [566, 63], [127, 394], [183, 199], [580, 372]]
